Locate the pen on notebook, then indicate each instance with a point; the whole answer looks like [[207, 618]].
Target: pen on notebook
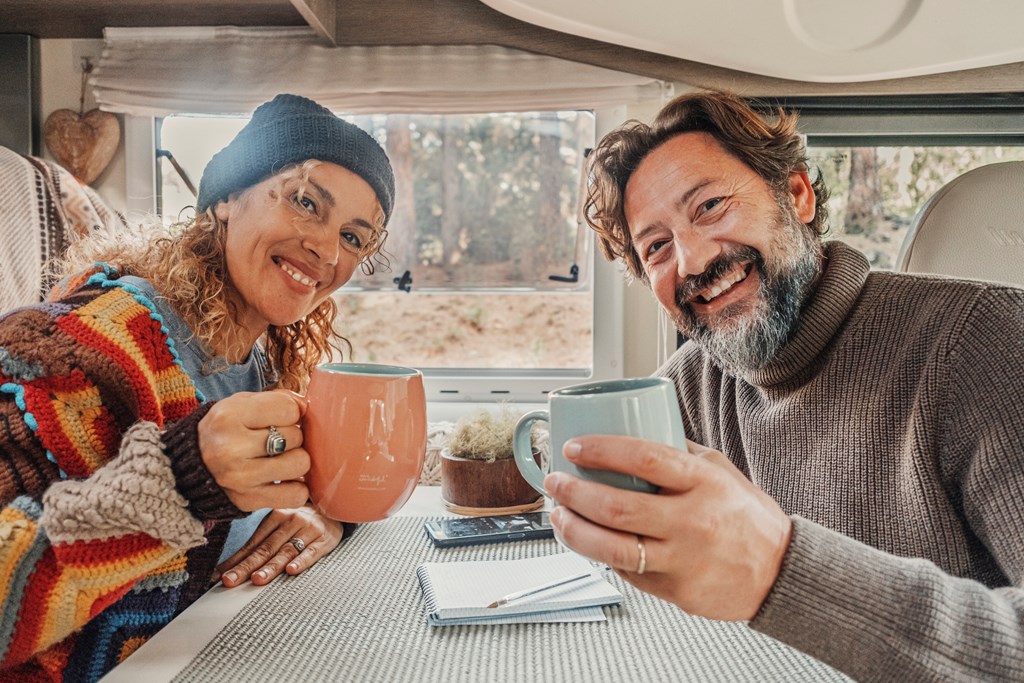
[[540, 589]]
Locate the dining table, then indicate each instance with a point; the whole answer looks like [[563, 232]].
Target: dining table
[[358, 615]]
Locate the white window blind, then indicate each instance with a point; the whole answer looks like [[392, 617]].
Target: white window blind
[[230, 70]]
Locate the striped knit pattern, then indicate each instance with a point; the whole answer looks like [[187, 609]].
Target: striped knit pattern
[[100, 542], [891, 429], [44, 209]]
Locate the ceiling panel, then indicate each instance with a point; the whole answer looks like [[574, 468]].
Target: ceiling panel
[[464, 22], [824, 41], [86, 18]]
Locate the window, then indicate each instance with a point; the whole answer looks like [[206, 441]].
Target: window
[[877, 191], [883, 158], [490, 289]]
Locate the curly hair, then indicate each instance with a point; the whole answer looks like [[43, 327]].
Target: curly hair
[[773, 149], [187, 263]]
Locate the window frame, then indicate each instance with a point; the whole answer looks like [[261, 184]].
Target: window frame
[[967, 120], [450, 385], [980, 119]]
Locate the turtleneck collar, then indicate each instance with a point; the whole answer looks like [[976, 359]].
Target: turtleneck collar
[[845, 272]]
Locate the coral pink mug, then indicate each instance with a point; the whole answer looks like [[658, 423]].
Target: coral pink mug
[[366, 434]]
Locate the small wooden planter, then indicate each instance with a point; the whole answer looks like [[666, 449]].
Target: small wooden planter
[[478, 487]]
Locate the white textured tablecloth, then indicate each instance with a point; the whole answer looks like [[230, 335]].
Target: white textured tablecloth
[[358, 615]]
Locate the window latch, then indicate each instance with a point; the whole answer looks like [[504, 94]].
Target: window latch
[[574, 270], [405, 282], [573, 276], [166, 153]]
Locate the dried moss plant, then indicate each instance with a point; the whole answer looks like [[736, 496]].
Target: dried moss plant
[[484, 435]]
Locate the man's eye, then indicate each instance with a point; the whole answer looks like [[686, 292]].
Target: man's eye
[[710, 204], [352, 238], [654, 247]]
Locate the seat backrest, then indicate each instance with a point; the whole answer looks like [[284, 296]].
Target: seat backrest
[[972, 228]]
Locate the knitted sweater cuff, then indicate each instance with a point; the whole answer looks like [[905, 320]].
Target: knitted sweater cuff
[[132, 493], [835, 599], [206, 498], [818, 600]]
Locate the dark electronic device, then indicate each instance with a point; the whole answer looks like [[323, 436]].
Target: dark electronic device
[[473, 530]]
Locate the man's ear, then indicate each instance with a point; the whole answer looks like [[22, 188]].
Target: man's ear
[[802, 193]]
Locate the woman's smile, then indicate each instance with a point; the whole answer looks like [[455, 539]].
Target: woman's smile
[[295, 275]]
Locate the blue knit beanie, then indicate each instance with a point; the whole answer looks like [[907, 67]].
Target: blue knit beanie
[[288, 130]]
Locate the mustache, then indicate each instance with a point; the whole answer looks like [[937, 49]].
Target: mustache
[[716, 269]]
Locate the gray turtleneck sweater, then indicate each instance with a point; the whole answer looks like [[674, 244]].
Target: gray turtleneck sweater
[[891, 430]]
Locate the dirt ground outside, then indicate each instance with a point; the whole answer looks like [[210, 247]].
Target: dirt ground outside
[[482, 330]]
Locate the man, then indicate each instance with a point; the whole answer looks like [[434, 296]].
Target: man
[[855, 482]]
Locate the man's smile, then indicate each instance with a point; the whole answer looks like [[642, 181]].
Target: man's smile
[[737, 273]]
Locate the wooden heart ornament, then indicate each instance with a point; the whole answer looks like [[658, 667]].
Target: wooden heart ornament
[[82, 143]]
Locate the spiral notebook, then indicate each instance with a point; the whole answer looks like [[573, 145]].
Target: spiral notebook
[[456, 593]]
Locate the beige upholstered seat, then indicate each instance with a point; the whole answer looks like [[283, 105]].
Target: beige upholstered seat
[[972, 228]]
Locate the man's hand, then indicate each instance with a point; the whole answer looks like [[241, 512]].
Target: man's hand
[[714, 542]]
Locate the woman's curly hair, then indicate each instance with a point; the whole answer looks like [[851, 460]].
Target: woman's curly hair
[[187, 263]]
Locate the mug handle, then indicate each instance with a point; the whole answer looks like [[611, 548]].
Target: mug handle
[[523, 450]]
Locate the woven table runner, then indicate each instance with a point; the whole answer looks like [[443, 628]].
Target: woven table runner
[[357, 615]]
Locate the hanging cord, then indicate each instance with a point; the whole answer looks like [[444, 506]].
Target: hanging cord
[[87, 68]]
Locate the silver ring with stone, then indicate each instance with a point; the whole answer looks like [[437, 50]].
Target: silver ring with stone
[[298, 543], [276, 444]]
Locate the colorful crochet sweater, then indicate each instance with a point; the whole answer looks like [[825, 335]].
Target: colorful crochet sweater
[[110, 522]]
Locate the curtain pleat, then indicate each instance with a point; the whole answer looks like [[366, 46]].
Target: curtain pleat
[[230, 70]]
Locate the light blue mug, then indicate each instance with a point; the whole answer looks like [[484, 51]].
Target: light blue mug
[[645, 407]]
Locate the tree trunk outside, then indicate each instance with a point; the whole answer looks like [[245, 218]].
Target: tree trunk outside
[[401, 246], [451, 184], [864, 203], [533, 242]]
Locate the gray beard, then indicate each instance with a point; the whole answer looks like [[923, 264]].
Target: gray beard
[[748, 341]]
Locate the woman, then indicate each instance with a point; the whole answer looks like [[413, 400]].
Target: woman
[[135, 425]]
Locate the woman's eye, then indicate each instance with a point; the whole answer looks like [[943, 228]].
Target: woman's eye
[[306, 203], [352, 238]]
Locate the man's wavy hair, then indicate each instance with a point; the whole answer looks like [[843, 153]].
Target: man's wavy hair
[[187, 263], [772, 148]]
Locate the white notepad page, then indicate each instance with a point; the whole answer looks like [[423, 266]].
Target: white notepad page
[[459, 592]]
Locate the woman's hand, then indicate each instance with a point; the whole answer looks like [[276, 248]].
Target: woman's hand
[[271, 549], [713, 542], [233, 444]]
